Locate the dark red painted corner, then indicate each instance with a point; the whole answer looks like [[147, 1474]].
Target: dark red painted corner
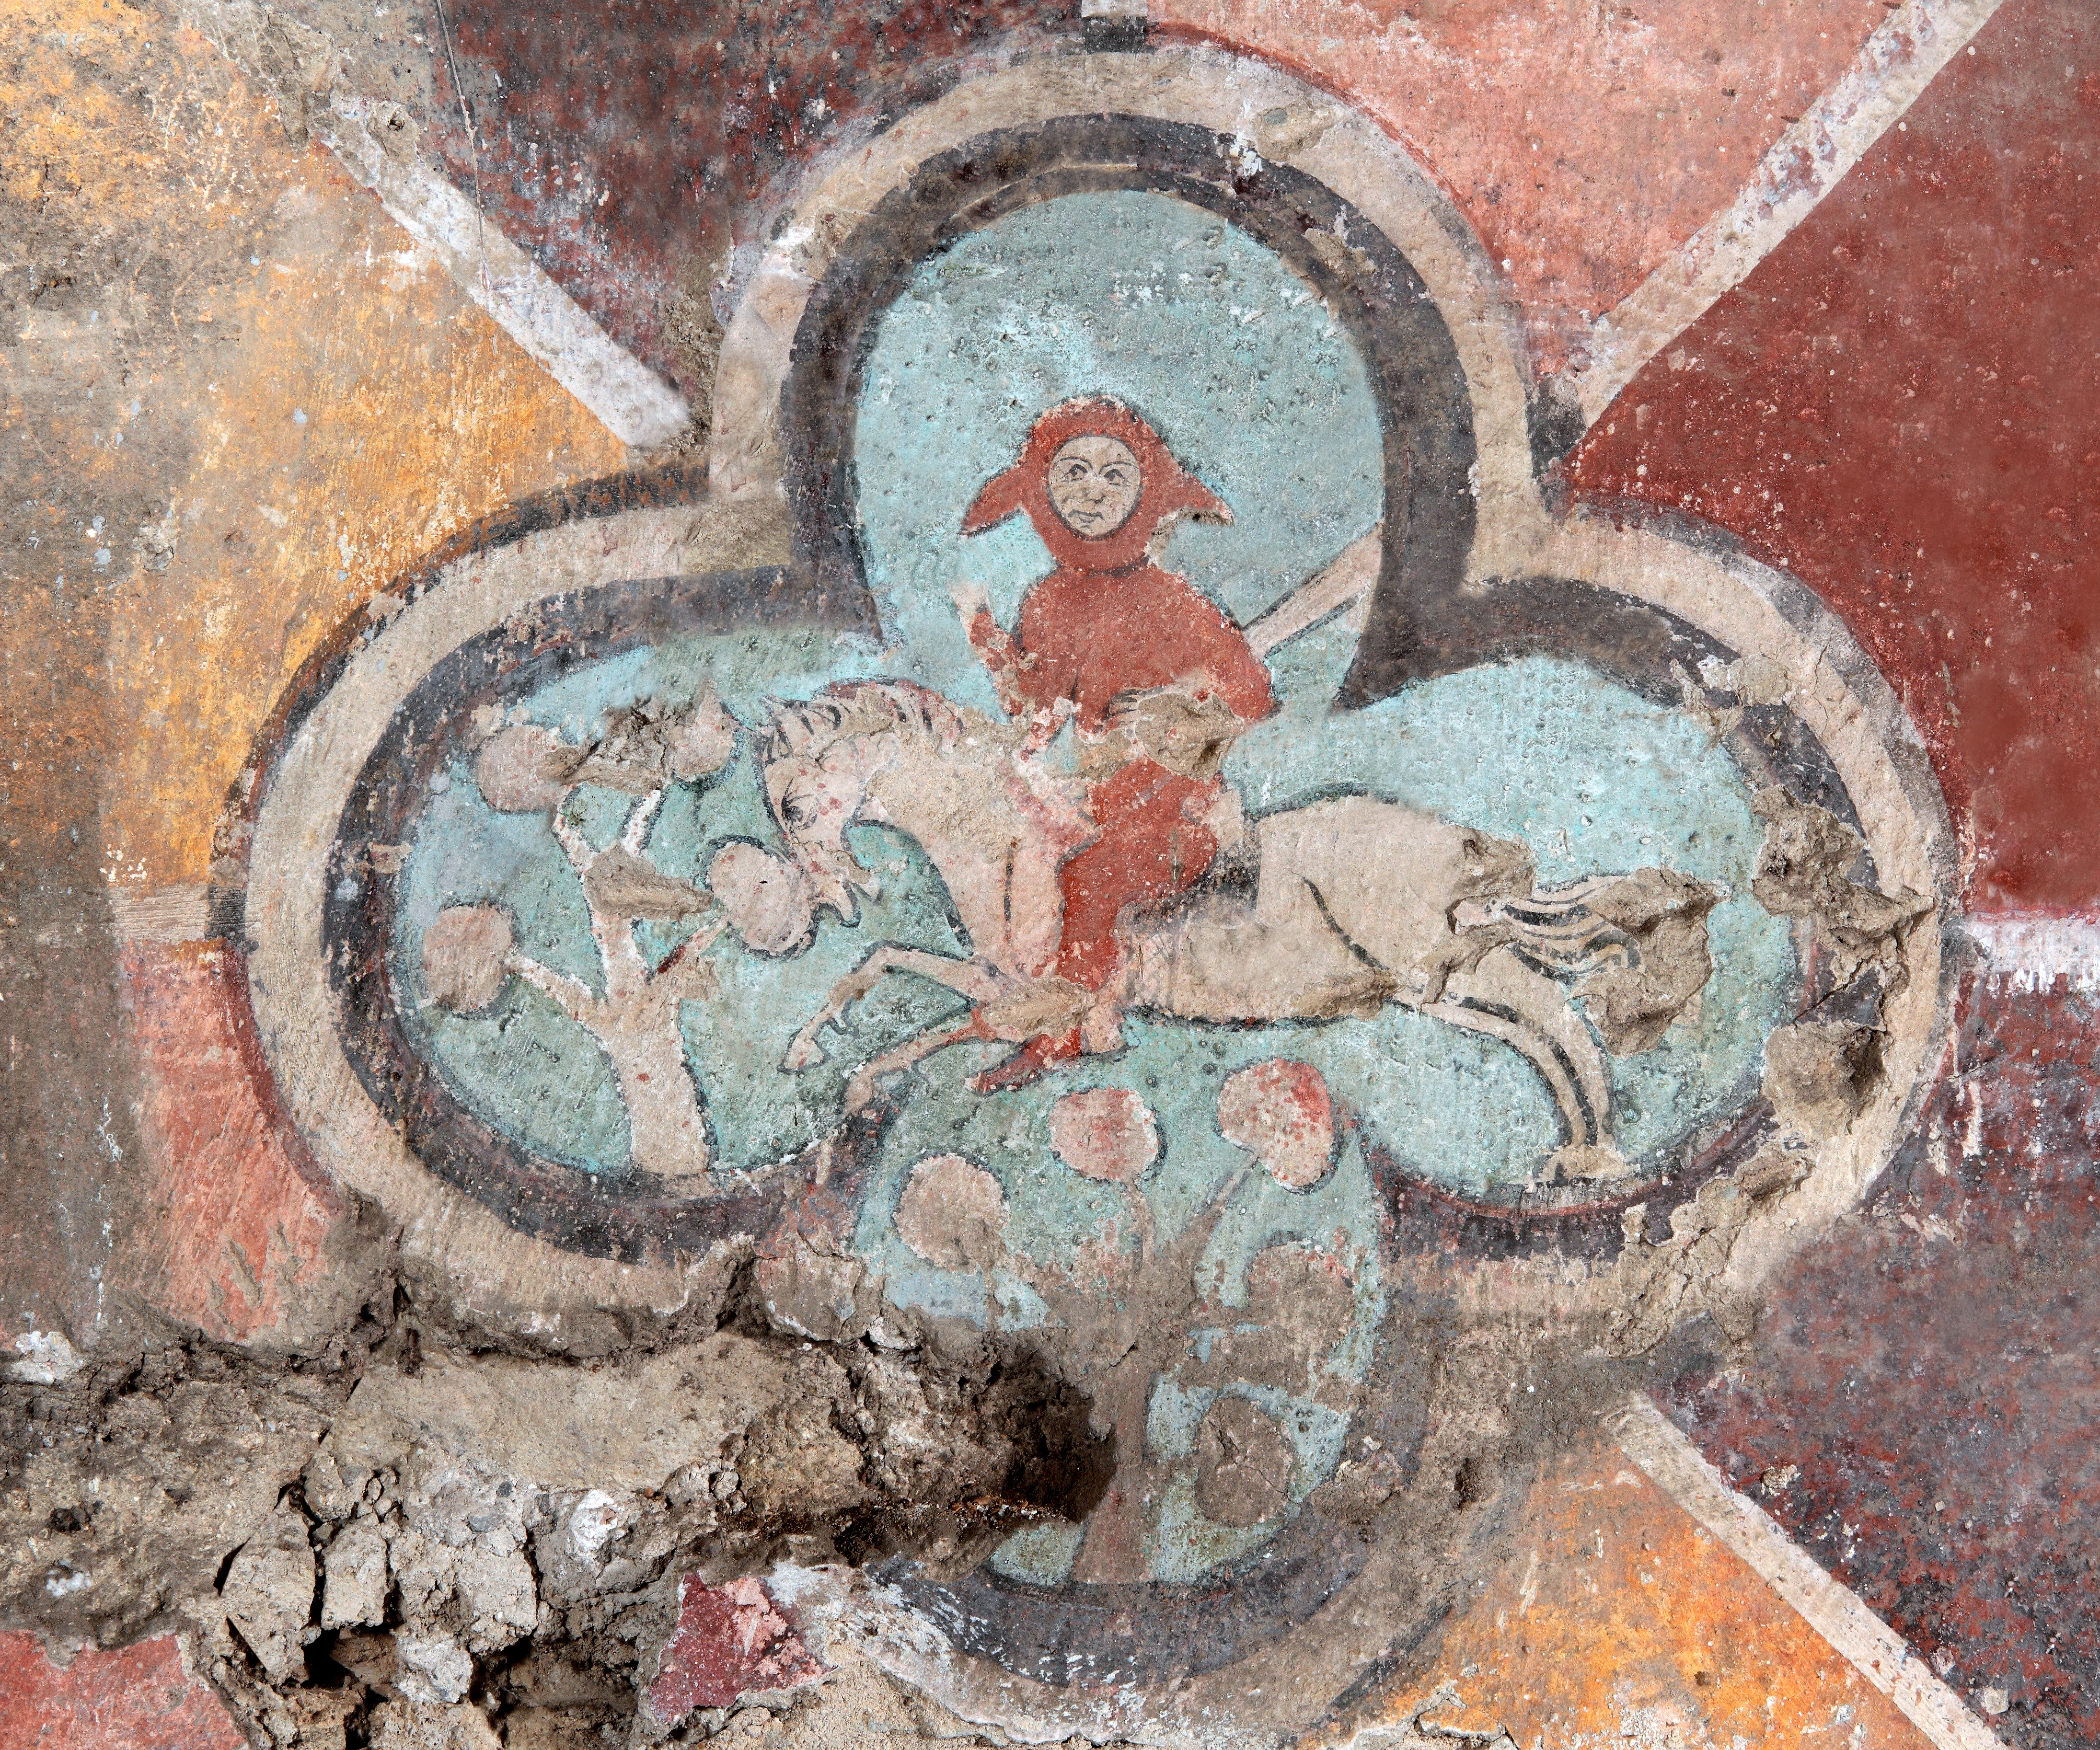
[[1902, 406]]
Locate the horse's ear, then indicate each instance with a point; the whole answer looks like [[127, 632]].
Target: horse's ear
[[1003, 495]]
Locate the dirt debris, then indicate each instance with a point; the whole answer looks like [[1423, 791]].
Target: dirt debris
[[405, 1540], [1810, 867], [1823, 1070], [1820, 1075], [415, 1537], [1669, 1283], [1663, 915]]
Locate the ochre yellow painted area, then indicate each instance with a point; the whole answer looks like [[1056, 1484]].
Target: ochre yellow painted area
[[320, 405], [419, 417], [1613, 1618]]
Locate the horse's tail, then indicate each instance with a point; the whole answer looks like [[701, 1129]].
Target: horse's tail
[[1555, 932], [1507, 997]]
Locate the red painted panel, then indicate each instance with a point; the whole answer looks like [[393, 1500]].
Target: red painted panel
[[730, 1641], [1586, 140], [237, 1234], [1930, 1367], [139, 1699], [1902, 405]]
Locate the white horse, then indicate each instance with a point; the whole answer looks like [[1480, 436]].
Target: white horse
[[1354, 903]]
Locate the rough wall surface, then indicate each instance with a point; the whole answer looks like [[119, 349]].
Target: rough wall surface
[[1212, 875]]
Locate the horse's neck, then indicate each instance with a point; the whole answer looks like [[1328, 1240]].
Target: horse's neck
[[956, 803]]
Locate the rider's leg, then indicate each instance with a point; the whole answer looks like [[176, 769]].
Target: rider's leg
[[1145, 848]]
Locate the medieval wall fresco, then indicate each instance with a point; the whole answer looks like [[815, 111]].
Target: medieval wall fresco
[[1195, 877]]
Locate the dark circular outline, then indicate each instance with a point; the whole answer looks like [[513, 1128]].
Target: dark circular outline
[[1424, 413]]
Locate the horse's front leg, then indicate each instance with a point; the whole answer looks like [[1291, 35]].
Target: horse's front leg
[[1019, 1011], [971, 979], [861, 1085]]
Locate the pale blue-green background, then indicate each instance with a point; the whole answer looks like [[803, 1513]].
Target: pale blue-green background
[[1141, 296]]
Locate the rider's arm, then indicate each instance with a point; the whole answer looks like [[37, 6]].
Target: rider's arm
[[1240, 676], [1007, 663]]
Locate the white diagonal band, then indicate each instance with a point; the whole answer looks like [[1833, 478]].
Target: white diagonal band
[[629, 399], [1890, 72], [1876, 1651], [2032, 953]]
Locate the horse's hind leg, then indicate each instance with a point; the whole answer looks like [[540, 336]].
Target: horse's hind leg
[[1502, 997]]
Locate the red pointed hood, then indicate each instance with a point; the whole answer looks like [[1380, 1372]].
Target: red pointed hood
[[1169, 491]]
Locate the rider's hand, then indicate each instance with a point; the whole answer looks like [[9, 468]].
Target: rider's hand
[[975, 607], [1187, 732]]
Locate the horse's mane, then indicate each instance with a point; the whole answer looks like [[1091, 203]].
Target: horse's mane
[[809, 728]]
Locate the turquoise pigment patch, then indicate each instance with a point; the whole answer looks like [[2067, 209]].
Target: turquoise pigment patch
[[1240, 367]]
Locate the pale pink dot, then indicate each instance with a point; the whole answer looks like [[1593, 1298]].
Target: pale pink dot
[[951, 1213], [1280, 1112], [1104, 1133]]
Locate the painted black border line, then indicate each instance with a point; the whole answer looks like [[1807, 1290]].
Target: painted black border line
[[226, 895], [1421, 624], [1366, 279]]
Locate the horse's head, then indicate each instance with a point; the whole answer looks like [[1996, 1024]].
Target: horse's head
[[817, 757], [815, 772]]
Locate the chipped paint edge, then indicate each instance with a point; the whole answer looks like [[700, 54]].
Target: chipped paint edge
[[1873, 94], [1876, 1651], [2030, 954], [625, 395]]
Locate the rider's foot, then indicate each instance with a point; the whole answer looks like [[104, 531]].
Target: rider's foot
[[1031, 1061]]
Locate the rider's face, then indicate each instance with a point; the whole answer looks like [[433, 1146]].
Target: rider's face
[[1094, 485]]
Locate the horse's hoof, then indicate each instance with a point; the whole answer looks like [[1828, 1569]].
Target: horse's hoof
[[804, 1053]]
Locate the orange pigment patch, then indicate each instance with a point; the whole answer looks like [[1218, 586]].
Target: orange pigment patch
[[370, 411], [310, 402], [1613, 1616]]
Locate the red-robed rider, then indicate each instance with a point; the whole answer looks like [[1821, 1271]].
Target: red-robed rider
[[1157, 679]]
